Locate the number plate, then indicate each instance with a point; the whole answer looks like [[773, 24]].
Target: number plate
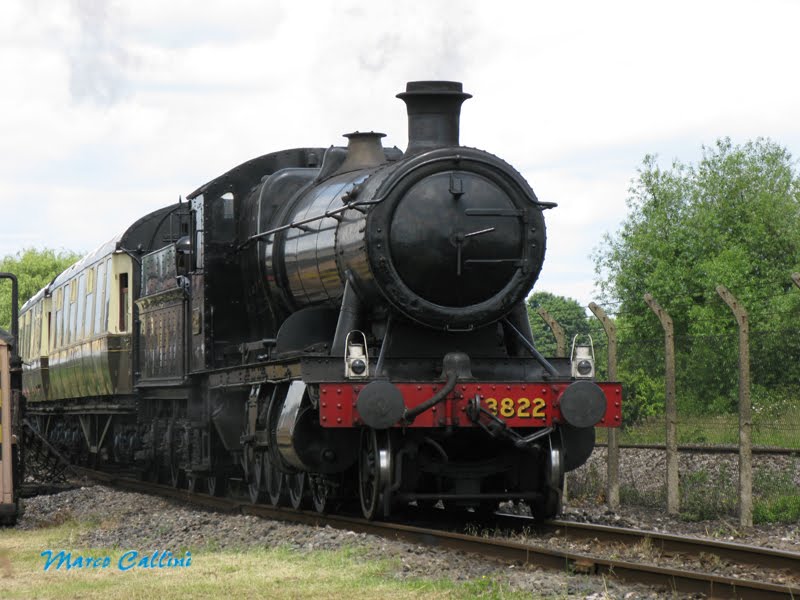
[[521, 408]]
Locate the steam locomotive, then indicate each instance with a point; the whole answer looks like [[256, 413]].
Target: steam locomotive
[[340, 325]]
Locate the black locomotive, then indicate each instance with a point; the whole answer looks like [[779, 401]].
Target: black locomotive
[[339, 324]]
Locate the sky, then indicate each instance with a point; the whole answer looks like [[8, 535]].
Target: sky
[[110, 109]]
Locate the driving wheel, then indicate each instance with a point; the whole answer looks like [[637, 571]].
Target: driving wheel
[[296, 487], [273, 480], [320, 488], [374, 473], [255, 476], [548, 504]]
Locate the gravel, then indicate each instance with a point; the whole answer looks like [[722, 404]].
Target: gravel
[[129, 520]]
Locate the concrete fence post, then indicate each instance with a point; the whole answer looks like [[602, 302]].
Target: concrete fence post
[[745, 410], [558, 332], [561, 352], [670, 406], [612, 459]]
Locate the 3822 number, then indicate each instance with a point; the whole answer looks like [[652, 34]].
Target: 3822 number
[[524, 408]]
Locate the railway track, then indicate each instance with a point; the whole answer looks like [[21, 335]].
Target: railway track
[[775, 563], [708, 449]]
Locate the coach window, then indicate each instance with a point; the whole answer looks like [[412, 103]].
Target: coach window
[[73, 311], [81, 302], [23, 350], [123, 302], [100, 299], [31, 331], [60, 319], [54, 330], [31, 349], [67, 311], [46, 335], [106, 307], [36, 342], [88, 319]]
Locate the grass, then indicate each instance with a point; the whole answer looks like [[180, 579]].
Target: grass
[[705, 496], [777, 498], [251, 573]]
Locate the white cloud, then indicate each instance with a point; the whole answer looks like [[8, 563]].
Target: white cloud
[[113, 108]]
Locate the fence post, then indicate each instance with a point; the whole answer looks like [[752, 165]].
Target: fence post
[[745, 419], [670, 405], [558, 332], [612, 458]]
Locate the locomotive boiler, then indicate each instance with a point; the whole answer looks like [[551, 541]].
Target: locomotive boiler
[[342, 324]]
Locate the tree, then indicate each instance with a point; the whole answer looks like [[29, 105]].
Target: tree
[[34, 270], [732, 219], [567, 311]]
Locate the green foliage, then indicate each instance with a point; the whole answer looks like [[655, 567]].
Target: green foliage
[[34, 270], [629, 494], [776, 498], [566, 311], [733, 219], [778, 509], [644, 396], [705, 497]]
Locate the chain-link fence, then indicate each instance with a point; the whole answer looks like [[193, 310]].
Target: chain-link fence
[[710, 374]]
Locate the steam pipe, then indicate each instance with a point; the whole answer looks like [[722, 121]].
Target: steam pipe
[[412, 414], [532, 349]]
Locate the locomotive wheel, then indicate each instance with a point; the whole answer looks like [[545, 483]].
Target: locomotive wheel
[[296, 486], [176, 475], [216, 485], [374, 470], [320, 493], [548, 505], [255, 478], [273, 480]]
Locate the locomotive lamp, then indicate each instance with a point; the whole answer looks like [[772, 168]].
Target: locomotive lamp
[[582, 359], [356, 360]]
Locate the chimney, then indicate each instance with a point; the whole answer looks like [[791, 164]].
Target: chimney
[[434, 108]]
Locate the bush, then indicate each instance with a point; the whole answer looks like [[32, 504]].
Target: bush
[[776, 497], [705, 497], [644, 396], [777, 509]]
